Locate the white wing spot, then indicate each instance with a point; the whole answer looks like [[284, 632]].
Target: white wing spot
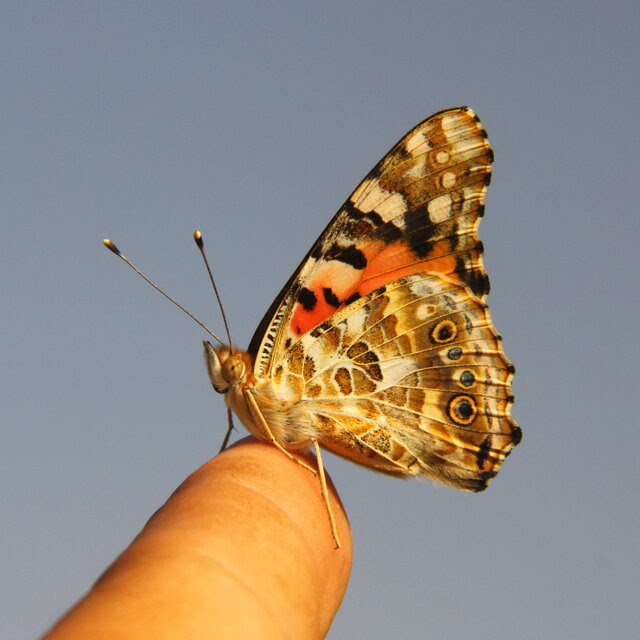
[[439, 208], [385, 203], [448, 179], [414, 142], [451, 122], [466, 149], [442, 157], [395, 370]]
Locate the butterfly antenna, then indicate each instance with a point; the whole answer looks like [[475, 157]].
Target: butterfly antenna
[[197, 236], [112, 247]]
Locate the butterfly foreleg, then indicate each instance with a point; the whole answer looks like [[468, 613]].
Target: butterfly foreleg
[[230, 428], [260, 421]]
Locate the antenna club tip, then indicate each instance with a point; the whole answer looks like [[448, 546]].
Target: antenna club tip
[[197, 236], [112, 247]]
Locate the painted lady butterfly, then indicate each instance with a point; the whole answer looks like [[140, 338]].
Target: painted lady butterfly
[[380, 347]]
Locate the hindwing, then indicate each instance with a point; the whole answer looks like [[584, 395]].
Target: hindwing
[[410, 379]]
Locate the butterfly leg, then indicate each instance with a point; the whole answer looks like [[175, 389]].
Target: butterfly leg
[[300, 444], [230, 428], [257, 414], [325, 494]]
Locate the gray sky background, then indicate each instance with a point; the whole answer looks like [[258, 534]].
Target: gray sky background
[[253, 122]]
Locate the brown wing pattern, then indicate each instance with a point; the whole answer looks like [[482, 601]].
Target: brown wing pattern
[[410, 379]]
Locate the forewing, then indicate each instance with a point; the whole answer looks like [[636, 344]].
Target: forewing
[[417, 211]]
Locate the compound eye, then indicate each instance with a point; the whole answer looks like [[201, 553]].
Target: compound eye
[[232, 369]]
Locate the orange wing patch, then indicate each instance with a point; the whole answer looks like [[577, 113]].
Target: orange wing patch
[[399, 260], [336, 284], [417, 211]]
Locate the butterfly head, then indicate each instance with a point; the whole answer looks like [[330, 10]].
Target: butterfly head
[[227, 367]]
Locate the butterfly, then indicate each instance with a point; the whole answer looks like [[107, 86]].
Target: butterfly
[[380, 347]]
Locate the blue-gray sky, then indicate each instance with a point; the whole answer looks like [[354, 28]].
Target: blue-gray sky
[[253, 122]]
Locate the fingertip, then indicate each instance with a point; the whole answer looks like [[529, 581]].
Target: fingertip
[[246, 532], [274, 476], [291, 502], [271, 517]]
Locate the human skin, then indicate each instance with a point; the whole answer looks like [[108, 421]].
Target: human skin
[[242, 549]]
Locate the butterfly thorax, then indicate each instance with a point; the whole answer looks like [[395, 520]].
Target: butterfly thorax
[[231, 373]]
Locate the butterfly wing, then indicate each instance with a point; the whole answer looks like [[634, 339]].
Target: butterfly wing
[[409, 379], [417, 211], [382, 338]]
